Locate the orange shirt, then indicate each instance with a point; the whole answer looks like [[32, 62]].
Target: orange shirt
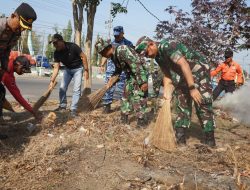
[[229, 72]]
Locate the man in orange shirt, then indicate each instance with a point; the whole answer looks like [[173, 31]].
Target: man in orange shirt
[[230, 72]]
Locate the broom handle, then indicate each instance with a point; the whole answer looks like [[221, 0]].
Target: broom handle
[[50, 89], [112, 81]]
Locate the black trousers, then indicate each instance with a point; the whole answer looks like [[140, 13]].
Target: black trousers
[[228, 86], [2, 98]]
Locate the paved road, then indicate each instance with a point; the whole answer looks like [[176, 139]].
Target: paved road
[[33, 88]]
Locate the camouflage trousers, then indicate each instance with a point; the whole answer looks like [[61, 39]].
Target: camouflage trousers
[[134, 99], [157, 78], [108, 97], [184, 105]]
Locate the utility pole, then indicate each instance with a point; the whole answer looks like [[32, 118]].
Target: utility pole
[[43, 48], [109, 22]]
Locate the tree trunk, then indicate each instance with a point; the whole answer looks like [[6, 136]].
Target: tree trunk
[[78, 19], [88, 44]]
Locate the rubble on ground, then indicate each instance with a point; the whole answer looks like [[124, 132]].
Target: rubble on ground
[[94, 151]]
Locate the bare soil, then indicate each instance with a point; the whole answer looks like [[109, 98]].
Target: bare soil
[[94, 151]]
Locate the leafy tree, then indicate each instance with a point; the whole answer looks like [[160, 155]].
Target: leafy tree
[[117, 8], [49, 49], [67, 32], [211, 27]]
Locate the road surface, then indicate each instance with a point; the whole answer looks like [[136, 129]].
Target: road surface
[[33, 87]]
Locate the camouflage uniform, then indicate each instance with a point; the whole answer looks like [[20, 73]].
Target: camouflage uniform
[[127, 60], [168, 55], [157, 78], [110, 70]]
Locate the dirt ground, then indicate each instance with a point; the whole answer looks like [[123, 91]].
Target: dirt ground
[[95, 152]]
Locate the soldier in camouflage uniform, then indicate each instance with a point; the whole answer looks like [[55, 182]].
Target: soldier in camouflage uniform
[[188, 72], [110, 69], [135, 94]]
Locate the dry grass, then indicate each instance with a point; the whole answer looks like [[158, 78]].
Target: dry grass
[[90, 102], [43, 98], [90, 151]]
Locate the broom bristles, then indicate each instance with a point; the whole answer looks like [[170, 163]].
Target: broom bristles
[[163, 136], [90, 102]]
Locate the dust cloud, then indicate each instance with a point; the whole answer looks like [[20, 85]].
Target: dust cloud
[[237, 103]]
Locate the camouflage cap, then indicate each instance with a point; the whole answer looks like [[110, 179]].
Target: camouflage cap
[[142, 44], [101, 44]]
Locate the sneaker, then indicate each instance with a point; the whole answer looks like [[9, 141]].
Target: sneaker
[[180, 135], [73, 113], [106, 109], [60, 109], [124, 119]]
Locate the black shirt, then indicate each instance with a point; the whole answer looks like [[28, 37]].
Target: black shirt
[[70, 56]]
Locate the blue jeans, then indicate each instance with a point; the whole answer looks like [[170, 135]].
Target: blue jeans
[[68, 75], [108, 97]]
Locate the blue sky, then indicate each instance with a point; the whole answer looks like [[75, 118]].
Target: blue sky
[[136, 22]]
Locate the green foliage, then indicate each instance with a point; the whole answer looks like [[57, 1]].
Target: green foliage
[[49, 49], [67, 32], [118, 8], [92, 2]]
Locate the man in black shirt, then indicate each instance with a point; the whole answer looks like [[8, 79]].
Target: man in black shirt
[[70, 55]]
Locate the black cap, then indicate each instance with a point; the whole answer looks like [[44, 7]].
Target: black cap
[[228, 53], [27, 15], [24, 61], [55, 38]]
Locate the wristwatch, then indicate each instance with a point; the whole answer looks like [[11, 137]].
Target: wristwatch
[[192, 87]]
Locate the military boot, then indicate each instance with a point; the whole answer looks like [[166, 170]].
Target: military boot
[[124, 119], [106, 109], [142, 123], [180, 135], [209, 139]]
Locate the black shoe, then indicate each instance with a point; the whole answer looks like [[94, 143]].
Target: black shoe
[[3, 136], [180, 135], [60, 109], [142, 123], [209, 139], [73, 113], [106, 109], [124, 119]]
